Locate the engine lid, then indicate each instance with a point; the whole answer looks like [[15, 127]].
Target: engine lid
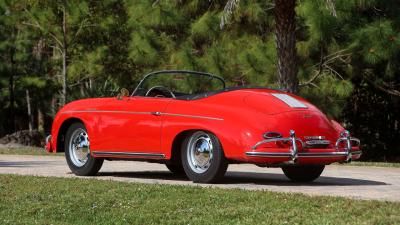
[[277, 102]]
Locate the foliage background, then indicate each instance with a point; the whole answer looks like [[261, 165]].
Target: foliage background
[[349, 63]]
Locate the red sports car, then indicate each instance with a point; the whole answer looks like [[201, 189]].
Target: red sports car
[[193, 124]]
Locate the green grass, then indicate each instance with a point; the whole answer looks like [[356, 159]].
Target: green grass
[[39, 200], [377, 164], [26, 151]]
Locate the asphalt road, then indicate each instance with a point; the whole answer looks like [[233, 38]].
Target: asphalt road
[[348, 181]]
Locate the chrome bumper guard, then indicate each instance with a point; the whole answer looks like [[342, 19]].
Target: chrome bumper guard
[[345, 137], [294, 154], [48, 139], [47, 146]]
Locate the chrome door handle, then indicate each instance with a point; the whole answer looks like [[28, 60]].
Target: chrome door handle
[[156, 113]]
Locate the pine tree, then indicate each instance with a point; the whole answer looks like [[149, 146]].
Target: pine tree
[[10, 42], [61, 22]]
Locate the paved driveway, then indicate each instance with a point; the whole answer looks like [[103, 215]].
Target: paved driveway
[[347, 181]]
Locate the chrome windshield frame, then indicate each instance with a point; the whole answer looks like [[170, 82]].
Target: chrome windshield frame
[[147, 76]]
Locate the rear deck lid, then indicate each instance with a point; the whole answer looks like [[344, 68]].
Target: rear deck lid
[[277, 102]]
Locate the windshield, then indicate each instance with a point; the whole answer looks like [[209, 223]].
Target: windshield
[[174, 84]]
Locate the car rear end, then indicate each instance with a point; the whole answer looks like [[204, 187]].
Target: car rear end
[[296, 132]]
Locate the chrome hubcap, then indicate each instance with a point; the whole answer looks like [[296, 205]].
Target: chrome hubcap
[[200, 152], [79, 150]]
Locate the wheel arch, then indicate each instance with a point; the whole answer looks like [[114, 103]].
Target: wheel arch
[[178, 140], [63, 131]]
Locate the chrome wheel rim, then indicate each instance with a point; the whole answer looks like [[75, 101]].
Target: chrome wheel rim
[[79, 150], [200, 152]]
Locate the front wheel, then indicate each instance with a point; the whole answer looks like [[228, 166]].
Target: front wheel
[[203, 158], [303, 173], [77, 152]]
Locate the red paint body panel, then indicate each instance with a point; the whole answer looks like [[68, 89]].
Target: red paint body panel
[[238, 118]]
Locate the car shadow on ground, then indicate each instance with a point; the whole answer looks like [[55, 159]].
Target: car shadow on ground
[[281, 180], [153, 175], [248, 178]]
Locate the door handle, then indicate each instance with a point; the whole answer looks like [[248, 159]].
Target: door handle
[[156, 113]]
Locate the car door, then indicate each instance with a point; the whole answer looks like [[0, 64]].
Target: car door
[[131, 125]]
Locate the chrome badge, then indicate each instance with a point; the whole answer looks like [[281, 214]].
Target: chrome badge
[[316, 140], [314, 137]]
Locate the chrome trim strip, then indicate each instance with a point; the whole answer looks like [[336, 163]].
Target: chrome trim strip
[[322, 154], [191, 116], [104, 111], [150, 113], [130, 154], [269, 154], [300, 154]]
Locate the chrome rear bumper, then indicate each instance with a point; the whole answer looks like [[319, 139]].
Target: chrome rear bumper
[[301, 154], [293, 150]]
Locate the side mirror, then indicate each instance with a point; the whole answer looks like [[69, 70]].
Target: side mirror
[[123, 93]]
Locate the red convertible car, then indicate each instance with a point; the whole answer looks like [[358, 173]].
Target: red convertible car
[[193, 124]]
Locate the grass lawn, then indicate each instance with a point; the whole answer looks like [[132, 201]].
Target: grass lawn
[[38, 200], [377, 164], [26, 151]]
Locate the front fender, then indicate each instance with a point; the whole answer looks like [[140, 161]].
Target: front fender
[[62, 122]]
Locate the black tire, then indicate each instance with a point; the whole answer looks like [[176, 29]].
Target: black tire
[[216, 167], [91, 166], [306, 173], [176, 169]]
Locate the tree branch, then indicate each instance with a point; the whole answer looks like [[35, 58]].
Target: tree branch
[[330, 5], [324, 64], [155, 3], [320, 69], [57, 48], [37, 25], [384, 89], [230, 6]]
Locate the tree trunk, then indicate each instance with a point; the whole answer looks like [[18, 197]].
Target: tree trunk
[[53, 107], [40, 120], [285, 33], [28, 105], [11, 110], [64, 57]]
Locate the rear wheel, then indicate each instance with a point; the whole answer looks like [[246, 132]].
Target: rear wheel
[[303, 173], [203, 158], [77, 152]]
